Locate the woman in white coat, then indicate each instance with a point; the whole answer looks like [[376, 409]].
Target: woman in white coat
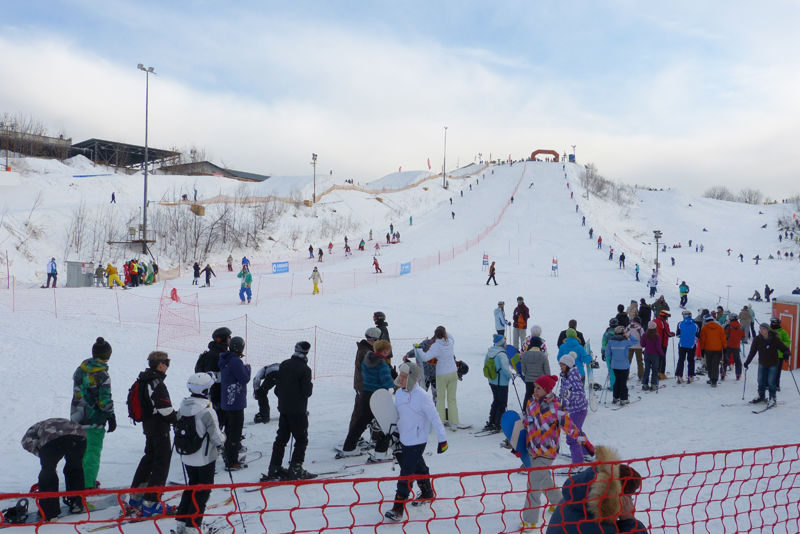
[[441, 350]]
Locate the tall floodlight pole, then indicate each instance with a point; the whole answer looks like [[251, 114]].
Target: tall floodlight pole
[[573, 153], [314, 163], [147, 72], [444, 160], [657, 235]]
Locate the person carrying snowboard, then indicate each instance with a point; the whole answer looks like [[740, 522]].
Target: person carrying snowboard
[[265, 379], [234, 375], [415, 416]]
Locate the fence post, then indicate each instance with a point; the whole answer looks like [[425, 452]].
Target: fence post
[[315, 351], [119, 316], [55, 304], [13, 295]]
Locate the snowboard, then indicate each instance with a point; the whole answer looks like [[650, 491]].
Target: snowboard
[[515, 433], [382, 405]]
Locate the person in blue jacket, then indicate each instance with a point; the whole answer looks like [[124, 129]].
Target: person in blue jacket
[[500, 321], [571, 344], [234, 376], [499, 385], [687, 338], [617, 357], [599, 499]]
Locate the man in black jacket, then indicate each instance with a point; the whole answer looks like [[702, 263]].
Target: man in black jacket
[[645, 313], [154, 466], [364, 346], [208, 362], [293, 389], [563, 335]]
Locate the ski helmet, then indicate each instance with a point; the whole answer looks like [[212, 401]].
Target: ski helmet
[[200, 383], [378, 316], [686, 313], [775, 322], [733, 317], [237, 345], [613, 322], [221, 334]]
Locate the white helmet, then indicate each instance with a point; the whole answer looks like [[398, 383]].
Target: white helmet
[[200, 383]]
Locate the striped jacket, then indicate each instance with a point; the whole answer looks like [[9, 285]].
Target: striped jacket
[[544, 422]]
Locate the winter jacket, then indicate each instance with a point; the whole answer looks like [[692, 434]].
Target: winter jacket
[[521, 316], [504, 371], [500, 321], [735, 334], [208, 362], [544, 420], [535, 363], [783, 335], [767, 350], [196, 268], [362, 348], [573, 345], [43, 432], [645, 313], [563, 335], [415, 415], [652, 345], [572, 395], [746, 317], [683, 289], [662, 326], [163, 414], [315, 277], [266, 377], [633, 310], [652, 281], [51, 267], [376, 373], [659, 305], [294, 385], [442, 350], [247, 279], [383, 326], [712, 337], [608, 334], [687, 333], [110, 270], [92, 404], [635, 333], [234, 376], [205, 423], [617, 352], [588, 492]]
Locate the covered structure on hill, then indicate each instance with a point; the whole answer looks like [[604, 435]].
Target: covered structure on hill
[[206, 168], [119, 154]]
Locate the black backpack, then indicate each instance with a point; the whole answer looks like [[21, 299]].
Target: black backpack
[[187, 440]]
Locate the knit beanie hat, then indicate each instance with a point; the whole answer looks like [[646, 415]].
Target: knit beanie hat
[[652, 325], [498, 339], [536, 330], [707, 318], [101, 349], [571, 332], [302, 347], [568, 359], [547, 382], [413, 372], [536, 341]]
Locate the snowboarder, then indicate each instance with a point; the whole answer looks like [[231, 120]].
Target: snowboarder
[[196, 269], [767, 344], [491, 275], [767, 292], [316, 279], [265, 379], [416, 414], [113, 277], [247, 281], [376, 265], [51, 440], [622, 260], [200, 464], [92, 406], [153, 468], [234, 375], [52, 273], [636, 268], [520, 319], [500, 321], [683, 289], [209, 272], [293, 389]]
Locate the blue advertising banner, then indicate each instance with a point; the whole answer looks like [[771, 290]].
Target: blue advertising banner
[[280, 267], [405, 268]]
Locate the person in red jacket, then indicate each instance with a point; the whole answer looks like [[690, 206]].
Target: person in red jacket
[[520, 323], [662, 326], [735, 334], [712, 344]]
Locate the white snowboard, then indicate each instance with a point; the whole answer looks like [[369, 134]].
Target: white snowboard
[[382, 405]]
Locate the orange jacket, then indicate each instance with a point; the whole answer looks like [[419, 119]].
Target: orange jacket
[[712, 337]]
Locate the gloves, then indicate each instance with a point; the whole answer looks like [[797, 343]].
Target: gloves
[[112, 424], [603, 356], [416, 345], [589, 447], [746, 366], [516, 453], [441, 448], [508, 323]]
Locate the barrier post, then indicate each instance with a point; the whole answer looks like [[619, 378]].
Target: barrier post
[[119, 316], [55, 303], [13, 295]]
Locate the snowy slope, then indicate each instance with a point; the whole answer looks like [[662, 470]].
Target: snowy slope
[[541, 224]]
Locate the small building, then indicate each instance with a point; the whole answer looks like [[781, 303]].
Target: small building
[[118, 154], [787, 309]]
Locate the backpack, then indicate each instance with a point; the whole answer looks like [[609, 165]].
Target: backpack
[[139, 402], [187, 440], [490, 369]]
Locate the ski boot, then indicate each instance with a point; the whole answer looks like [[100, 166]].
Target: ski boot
[[426, 494], [276, 472], [155, 508], [396, 513], [296, 472], [758, 400], [74, 504]]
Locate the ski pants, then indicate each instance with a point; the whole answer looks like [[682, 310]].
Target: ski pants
[[768, 380], [446, 397], [263, 403], [499, 404], [539, 481], [687, 354], [316, 288], [114, 279], [637, 351], [193, 502], [612, 379], [153, 468], [684, 298], [620, 386], [412, 462], [713, 359], [528, 394], [91, 458], [54, 277], [575, 448], [295, 425], [519, 337], [234, 422], [650, 370], [365, 417], [662, 363], [245, 291], [735, 355], [652, 291], [356, 411], [71, 448], [491, 277]]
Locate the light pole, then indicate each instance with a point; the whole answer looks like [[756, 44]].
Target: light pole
[[657, 235], [147, 72], [444, 161], [573, 153], [314, 163]]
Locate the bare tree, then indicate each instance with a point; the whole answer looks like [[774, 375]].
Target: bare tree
[[719, 192], [750, 196]]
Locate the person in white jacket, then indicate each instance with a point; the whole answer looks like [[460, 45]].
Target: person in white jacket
[[442, 350], [200, 464], [500, 321], [415, 415]]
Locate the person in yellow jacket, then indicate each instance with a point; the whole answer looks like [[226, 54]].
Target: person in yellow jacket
[[113, 277], [315, 277]]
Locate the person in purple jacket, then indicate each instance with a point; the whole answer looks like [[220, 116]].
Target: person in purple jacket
[[234, 376], [653, 351], [573, 396]]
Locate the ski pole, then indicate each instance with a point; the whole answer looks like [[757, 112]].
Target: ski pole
[[674, 365], [291, 447], [236, 500], [745, 383], [795, 382], [514, 383]]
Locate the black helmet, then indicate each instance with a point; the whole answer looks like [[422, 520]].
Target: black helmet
[[775, 322], [221, 334], [613, 322], [237, 345], [378, 316]]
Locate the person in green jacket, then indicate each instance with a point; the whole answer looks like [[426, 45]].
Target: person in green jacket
[[92, 406], [783, 335], [247, 281]]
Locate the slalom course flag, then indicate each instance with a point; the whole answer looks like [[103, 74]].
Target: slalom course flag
[[429, 163]]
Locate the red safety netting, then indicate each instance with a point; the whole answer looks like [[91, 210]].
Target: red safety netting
[[732, 491]]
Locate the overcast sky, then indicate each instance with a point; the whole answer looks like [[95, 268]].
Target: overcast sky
[[685, 94]]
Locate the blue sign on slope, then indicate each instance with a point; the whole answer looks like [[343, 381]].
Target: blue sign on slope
[[280, 267]]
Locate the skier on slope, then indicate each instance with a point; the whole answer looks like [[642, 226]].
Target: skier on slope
[[376, 265], [247, 281], [652, 283], [767, 345]]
